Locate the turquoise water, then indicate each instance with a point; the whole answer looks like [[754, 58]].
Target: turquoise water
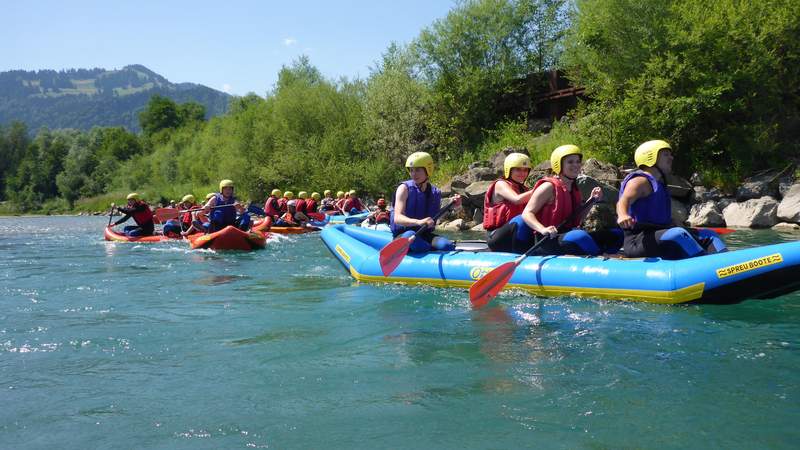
[[106, 345]]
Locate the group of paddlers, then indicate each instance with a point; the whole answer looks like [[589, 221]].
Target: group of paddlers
[[516, 217]]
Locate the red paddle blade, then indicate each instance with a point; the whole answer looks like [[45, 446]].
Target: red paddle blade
[[484, 290], [392, 254], [165, 214], [721, 230]]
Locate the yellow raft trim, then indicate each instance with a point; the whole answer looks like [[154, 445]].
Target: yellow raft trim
[[683, 295]]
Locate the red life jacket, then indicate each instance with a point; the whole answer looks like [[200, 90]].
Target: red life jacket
[[143, 216], [340, 203], [382, 216], [271, 207], [289, 218], [301, 205], [351, 203], [563, 204], [282, 205], [187, 216], [495, 216], [311, 205]]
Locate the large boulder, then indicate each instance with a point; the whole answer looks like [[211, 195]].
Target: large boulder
[[786, 226], [705, 215], [758, 186], [460, 182], [789, 208], [784, 184], [602, 171], [587, 183], [703, 194], [455, 225], [754, 213], [679, 187], [539, 171], [475, 192], [478, 227], [601, 216], [679, 211]]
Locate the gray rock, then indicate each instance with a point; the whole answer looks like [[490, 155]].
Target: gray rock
[[478, 227], [679, 212], [603, 172], [601, 216], [784, 184], [786, 226], [703, 194], [539, 171], [789, 208], [447, 189], [696, 179], [754, 213], [724, 202], [477, 216], [705, 215], [679, 187], [452, 226], [761, 185], [471, 176], [477, 164], [586, 184], [475, 193]]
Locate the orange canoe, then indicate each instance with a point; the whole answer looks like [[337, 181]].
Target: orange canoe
[[265, 225], [111, 235], [229, 238]]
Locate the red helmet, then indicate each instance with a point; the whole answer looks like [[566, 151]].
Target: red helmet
[[381, 202]]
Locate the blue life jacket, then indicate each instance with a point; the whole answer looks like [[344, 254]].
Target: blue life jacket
[[419, 205], [227, 215], [654, 209]]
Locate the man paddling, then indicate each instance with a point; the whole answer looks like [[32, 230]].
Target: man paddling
[[226, 210], [141, 213], [416, 202]]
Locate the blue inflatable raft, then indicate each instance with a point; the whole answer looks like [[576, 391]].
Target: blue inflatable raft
[[340, 218], [759, 272]]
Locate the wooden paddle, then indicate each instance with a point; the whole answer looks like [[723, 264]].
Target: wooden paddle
[[392, 254], [484, 290]]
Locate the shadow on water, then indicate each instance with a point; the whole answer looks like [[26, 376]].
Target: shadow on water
[[278, 335], [213, 280]]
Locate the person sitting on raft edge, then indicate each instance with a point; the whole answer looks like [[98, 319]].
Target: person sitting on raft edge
[[142, 215], [416, 201], [505, 199], [554, 201], [644, 211], [226, 210], [353, 204]]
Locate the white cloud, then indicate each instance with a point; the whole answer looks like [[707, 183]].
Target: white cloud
[[289, 41], [226, 88]]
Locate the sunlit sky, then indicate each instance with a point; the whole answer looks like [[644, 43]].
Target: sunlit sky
[[234, 46]]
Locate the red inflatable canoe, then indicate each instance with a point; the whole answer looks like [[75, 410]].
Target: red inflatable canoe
[[229, 238]]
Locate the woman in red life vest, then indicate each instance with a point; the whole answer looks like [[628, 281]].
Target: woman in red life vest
[[353, 204], [187, 203], [142, 215], [301, 202], [505, 199], [271, 206], [553, 201]]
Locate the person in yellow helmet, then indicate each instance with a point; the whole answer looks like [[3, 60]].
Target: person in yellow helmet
[[141, 213], [226, 210], [312, 206], [644, 211], [187, 203], [353, 204], [505, 199], [302, 196], [341, 197], [272, 205], [416, 202], [326, 205]]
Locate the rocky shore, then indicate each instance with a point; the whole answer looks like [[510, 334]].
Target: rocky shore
[[769, 199]]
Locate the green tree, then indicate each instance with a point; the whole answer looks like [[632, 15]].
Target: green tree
[[160, 113]]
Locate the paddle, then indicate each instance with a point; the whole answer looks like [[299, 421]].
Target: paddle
[[484, 290], [353, 220], [111, 214], [393, 253], [164, 214]]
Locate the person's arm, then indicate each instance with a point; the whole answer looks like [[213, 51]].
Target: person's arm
[[212, 202], [542, 195], [636, 188], [504, 191], [597, 195], [400, 208], [127, 215]]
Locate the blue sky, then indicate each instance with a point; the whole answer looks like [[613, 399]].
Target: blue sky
[[237, 46]]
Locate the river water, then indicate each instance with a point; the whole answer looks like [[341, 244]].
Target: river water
[[115, 345]]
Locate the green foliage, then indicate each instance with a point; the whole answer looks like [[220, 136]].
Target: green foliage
[[712, 78], [13, 145]]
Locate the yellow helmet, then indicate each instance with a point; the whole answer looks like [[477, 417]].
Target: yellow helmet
[[288, 195], [421, 159], [316, 196], [188, 198], [276, 192], [327, 192], [559, 153], [515, 160], [302, 194], [340, 194], [647, 153], [209, 195], [132, 196], [352, 192], [224, 184]]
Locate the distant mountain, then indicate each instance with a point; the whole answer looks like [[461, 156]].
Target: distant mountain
[[82, 99]]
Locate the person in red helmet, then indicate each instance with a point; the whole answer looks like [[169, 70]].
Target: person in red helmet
[[382, 215]]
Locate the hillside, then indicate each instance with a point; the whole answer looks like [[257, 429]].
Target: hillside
[[82, 99]]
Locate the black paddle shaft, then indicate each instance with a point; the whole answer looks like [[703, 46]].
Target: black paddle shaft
[[586, 204], [436, 217]]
